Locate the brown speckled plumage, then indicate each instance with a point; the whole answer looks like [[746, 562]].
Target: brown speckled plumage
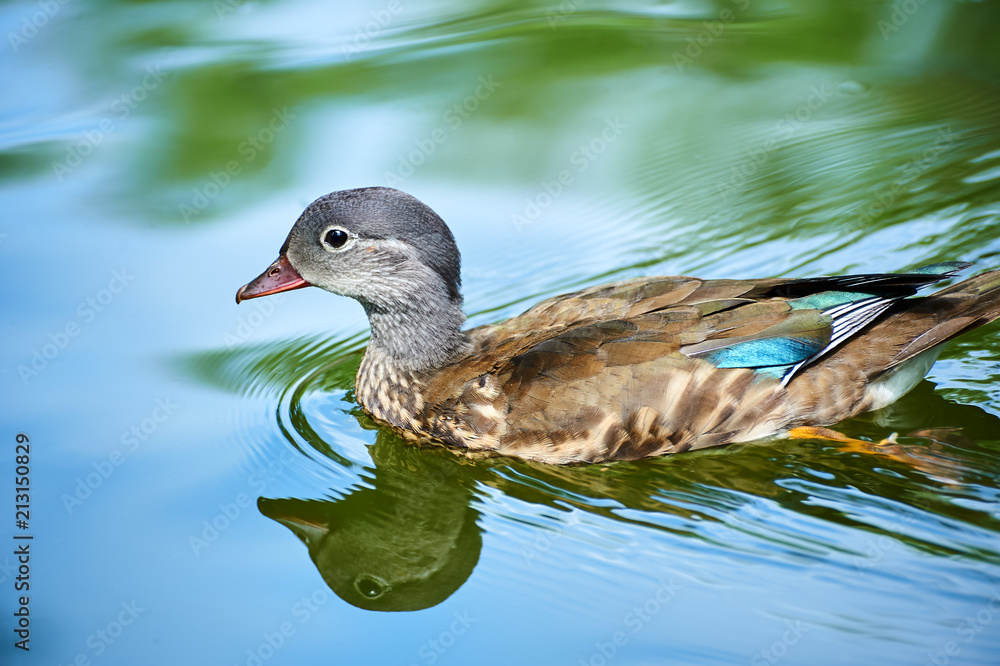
[[621, 371], [598, 375]]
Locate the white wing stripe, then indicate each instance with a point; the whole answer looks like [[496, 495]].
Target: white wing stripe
[[848, 319]]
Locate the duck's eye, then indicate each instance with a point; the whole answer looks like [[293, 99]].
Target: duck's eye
[[369, 587], [335, 238]]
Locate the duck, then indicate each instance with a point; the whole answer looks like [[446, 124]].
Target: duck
[[634, 369]]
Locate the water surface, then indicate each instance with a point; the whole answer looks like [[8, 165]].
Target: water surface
[[206, 490]]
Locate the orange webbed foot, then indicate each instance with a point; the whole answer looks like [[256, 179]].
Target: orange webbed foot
[[924, 458]]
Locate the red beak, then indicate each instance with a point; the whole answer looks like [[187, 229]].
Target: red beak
[[280, 276]]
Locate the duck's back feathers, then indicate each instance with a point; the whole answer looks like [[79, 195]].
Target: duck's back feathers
[[933, 320], [652, 366]]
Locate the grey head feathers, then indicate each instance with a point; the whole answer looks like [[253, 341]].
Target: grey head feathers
[[395, 256], [399, 224]]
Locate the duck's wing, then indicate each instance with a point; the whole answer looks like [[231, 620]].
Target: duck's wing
[[622, 389], [648, 367], [892, 354], [824, 313], [928, 322], [775, 326]]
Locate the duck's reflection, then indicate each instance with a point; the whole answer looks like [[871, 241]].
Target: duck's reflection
[[407, 543], [410, 539]]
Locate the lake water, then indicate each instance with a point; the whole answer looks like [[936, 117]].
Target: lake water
[[204, 489]]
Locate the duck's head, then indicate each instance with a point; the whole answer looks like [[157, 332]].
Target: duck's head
[[378, 245], [390, 252]]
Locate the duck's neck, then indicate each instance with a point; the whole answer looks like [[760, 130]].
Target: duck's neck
[[406, 347], [418, 336]]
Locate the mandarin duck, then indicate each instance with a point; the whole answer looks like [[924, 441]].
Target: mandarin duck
[[633, 369]]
